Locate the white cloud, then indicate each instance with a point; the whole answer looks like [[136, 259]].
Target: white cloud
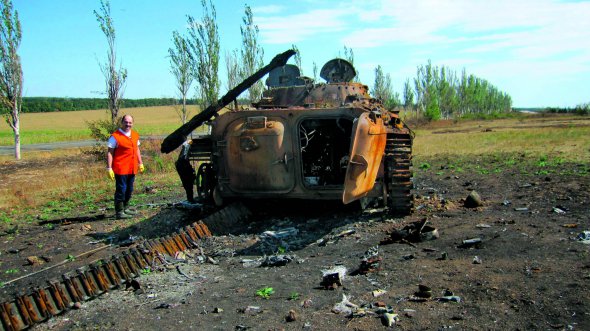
[[287, 29], [270, 9]]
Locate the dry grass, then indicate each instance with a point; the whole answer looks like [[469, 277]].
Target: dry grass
[[67, 179], [71, 125]]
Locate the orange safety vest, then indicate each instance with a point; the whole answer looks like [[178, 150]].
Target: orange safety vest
[[125, 156]]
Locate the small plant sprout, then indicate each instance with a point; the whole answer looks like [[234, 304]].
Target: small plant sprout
[[146, 271], [265, 292], [424, 165], [294, 296], [71, 258], [281, 250], [1, 284], [11, 271]]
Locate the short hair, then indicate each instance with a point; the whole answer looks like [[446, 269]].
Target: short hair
[[123, 117]]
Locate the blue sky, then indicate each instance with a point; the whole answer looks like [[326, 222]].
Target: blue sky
[[537, 51]]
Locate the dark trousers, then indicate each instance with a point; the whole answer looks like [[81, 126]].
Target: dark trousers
[[187, 177], [123, 187]]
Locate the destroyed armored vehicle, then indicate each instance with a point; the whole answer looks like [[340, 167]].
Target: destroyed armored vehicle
[[302, 140]]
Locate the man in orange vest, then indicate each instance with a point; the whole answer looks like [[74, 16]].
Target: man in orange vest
[[123, 162]]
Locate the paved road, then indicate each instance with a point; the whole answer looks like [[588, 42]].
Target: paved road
[[7, 150]]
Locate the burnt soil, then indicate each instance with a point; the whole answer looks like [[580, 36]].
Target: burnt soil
[[532, 272]]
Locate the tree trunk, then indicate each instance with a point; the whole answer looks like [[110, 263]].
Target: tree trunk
[[16, 139]]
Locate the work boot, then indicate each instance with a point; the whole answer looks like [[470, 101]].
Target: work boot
[[127, 210], [119, 211]]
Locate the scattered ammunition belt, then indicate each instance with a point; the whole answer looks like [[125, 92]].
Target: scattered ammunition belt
[[95, 279]]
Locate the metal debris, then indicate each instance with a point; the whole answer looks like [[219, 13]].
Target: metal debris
[[277, 260], [95, 279], [474, 242], [413, 233], [584, 237], [333, 277], [389, 319], [344, 307]]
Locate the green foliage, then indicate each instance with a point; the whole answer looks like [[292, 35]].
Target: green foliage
[[101, 130], [349, 56], [4, 218], [408, 95], [11, 271], [265, 292], [11, 72], [251, 54], [146, 271], [542, 161], [297, 58], [232, 68], [70, 258], [441, 94], [294, 296], [203, 41], [581, 109], [383, 89], [180, 67], [52, 104], [114, 77], [424, 166]]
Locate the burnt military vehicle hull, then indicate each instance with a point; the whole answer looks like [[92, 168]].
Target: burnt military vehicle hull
[[307, 141]]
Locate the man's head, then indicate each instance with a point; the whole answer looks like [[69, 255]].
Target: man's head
[[126, 123]]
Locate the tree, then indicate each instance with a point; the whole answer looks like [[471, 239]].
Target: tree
[[408, 95], [233, 72], [251, 53], [180, 67], [11, 72], [114, 77], [297, 58], [204, 48], [349, 56], [383, 89]]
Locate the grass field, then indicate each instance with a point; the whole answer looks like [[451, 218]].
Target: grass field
[[71, 125], [567, 136], [34, 188]]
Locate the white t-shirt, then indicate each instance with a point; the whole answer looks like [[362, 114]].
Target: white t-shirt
[[112, 143]]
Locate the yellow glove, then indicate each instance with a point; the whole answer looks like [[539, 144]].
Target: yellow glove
[[111, 174], [141, 168]]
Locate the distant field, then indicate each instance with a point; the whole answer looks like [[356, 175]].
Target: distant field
[[565, 135], [71, 125]]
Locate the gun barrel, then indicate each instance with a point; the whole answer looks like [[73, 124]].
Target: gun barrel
[[177, 137]]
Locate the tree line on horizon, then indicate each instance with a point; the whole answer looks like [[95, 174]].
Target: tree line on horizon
[[438, 92], [54, 104]]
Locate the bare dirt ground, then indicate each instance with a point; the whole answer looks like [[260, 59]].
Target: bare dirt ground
[[528, 273]]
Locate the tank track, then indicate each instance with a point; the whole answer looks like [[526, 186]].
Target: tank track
[[104, 275], [398, 172]]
